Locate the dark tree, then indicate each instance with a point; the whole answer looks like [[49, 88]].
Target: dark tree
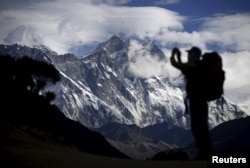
[[34, 75], [23, 81]]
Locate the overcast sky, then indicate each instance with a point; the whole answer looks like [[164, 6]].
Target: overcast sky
[[210, 24]]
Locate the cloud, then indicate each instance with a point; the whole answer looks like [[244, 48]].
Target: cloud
[[142, 63], [230, 31], [110, 2], [61, 24], [167, 2], [236, 66], [226, 32], [21, 4]]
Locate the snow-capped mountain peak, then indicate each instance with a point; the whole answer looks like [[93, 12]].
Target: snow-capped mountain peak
[[99, 88], [113, 44]]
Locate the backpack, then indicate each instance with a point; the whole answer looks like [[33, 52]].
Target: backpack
[[208, 79]]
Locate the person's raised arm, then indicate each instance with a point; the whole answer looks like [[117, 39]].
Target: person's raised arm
[[176, 63], [184, 67]]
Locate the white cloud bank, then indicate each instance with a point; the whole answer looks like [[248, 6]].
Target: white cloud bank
[[228, 30], [61, 24], [142, 63]]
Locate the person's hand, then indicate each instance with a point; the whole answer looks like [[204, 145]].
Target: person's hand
[[176, 51]]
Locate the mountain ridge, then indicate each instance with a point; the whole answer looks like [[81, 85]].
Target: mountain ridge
[[100, 89], [102, 80]]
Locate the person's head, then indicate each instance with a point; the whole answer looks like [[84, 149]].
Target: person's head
[[194, 54]]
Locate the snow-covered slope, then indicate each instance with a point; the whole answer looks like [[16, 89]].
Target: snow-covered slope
[[100, 88]]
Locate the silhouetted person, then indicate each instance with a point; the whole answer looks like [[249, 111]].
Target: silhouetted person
[[198, 106]]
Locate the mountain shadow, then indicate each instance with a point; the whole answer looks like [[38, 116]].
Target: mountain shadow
[[232, 136], [25, 104], [229, 139], [143, 143]]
